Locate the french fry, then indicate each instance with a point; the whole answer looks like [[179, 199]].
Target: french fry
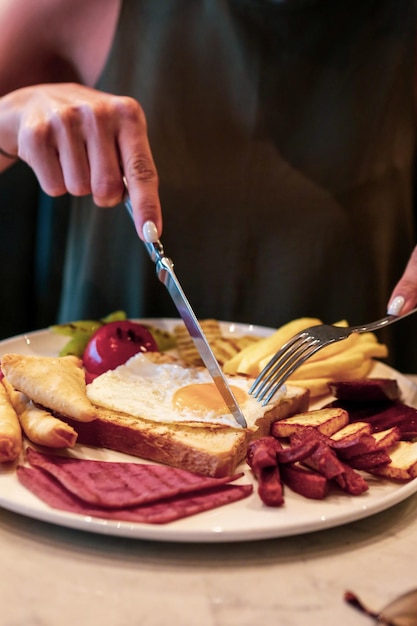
[[336, 348], [248, 360], [317, 386], [343, 360], [359, 372], [329, 368], [10, 431]]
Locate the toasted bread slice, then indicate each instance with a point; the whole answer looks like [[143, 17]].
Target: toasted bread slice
[[57, 383], [327, 421], [210, 449]]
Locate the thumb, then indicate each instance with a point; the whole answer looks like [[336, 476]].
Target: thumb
[[404, 294]]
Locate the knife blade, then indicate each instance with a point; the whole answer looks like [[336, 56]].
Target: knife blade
[[165, 272]]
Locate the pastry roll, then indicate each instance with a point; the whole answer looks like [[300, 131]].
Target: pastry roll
[[10, 431], [56, 383], [39, 425]]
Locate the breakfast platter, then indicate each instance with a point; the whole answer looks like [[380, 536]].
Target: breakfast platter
[[245, 520]]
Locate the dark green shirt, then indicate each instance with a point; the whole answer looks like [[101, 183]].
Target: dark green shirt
[[283, 134]]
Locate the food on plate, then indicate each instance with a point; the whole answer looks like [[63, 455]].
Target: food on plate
[[326, 421], [161, 508], [365, 390], [262, 459], [164, 339], [10, 432], [39, 425], [306, 482], [212, 448], [114, 484], [150, 404], [81, 331], [56, 383], [403, 462], [387, 437], [171, 393], [114, 343], [348, 359], [351, 431], [326, 441], [381, 414], [247, 361], [223, 347]]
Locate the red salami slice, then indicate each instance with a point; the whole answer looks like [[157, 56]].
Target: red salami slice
[[116, 485], [55, 495]]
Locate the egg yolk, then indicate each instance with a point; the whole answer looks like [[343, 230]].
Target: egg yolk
[[205, 397]]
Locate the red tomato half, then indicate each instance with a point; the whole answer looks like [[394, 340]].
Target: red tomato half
[[114, 343]]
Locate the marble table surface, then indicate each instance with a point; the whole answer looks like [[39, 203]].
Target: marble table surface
[[54, 576]]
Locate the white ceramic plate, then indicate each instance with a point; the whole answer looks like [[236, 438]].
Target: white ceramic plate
[[245, 520]]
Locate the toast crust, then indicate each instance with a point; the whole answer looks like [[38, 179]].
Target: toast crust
[[212, 450]]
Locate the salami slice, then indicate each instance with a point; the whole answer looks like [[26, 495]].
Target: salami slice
[[50, 491], [116, 485]]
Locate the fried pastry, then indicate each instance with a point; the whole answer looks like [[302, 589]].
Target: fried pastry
[[56, 383], [10, 431], [39, 425]]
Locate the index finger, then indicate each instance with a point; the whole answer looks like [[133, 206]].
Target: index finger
[[141, 176]]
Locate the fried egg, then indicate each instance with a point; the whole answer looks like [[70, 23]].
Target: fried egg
[[169, 392]]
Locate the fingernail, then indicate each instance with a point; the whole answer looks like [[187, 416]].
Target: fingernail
[[396, 306], [150, 234]]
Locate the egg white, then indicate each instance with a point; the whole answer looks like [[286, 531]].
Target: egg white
[[145, 389]]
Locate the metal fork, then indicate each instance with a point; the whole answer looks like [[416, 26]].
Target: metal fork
[[302, 347]]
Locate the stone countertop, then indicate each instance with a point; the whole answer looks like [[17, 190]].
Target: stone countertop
[[53, 576]]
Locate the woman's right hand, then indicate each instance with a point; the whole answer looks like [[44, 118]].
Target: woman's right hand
[[83, 141]]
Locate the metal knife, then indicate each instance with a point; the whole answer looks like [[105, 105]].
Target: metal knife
[[167, 276]]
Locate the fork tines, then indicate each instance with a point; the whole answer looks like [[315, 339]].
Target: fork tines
[[282, 365]]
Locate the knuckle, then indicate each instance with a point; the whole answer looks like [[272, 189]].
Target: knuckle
[[35, 136], [79, 188], [130, 110], [107, 192], [54, 189], [141, 169]]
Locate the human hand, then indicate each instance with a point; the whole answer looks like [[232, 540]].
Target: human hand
[[404, 294], [83, 141]]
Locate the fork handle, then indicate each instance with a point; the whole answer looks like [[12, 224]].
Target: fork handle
[[385, 321]]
